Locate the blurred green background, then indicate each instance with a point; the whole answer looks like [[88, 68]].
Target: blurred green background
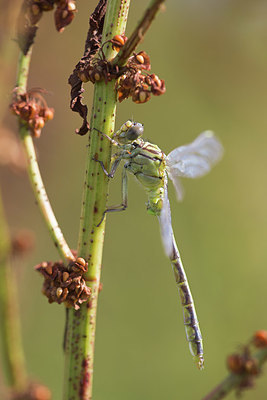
[[213, 57]]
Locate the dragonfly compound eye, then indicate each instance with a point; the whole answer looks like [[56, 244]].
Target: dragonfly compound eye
[[135, 131]]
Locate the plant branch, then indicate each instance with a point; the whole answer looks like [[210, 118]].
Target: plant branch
[[233, 381], [139, 32], [33, 169], [12, 355]]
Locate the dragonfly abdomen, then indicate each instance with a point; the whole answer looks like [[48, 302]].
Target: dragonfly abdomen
[[191, 324]]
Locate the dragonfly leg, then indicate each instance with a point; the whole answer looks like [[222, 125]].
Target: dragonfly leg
[[124, 203], [113, 168], [106, 136], [150, 158]]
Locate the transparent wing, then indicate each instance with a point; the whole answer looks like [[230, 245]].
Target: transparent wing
[[177, 185], [195, 159], [166, 224]]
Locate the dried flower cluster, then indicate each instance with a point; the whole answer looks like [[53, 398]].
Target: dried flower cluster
[[65, 284], [22, 242], [244, 363], [137, 84], [31, 107], [31, 13], [260, 339], [35, 391], [132, 79], [97, 70]]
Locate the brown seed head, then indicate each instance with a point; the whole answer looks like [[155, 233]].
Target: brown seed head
[[59, 291], [260, 339], [71, 6], [235, 363], [83, 75], [252, 366], [141, 95], [81, 261], [118, 41], [65, 276], [35, 9], [63, 286], [49, 269], [140, 60], [64, 14], [47, 113], [22, 242]]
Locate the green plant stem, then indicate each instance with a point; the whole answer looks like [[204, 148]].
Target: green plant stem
[[12, 350], [34, 172], [138, 34], [233, 381], [82, 323]]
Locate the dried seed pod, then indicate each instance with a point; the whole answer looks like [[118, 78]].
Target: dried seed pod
[[123, 94], [64, 14], [47, 113], [71, 6], [59, 291], [141, 95], [118, 41], [46, 5], [22, 242], [140, 60], [34, 14], [83, 75], [64, 294], [260, 339], [65, 276], [33, 391], [49, 269], [235, 363], [252, 366], [81, 261], [157, 85]]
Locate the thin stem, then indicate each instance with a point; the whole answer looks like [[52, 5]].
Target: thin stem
[[34, 172], [139, 32], [12, 355], [233, 381], [82, 323], [41, 196]]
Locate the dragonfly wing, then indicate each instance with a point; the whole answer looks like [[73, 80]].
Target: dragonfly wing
[[177, 185], [195, 159], [166, 225]]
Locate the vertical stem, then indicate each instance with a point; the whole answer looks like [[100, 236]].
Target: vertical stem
[[12, 355], [82, 323], [23, 71]]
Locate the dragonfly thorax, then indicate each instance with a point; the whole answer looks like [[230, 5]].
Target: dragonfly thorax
[[147, 163]]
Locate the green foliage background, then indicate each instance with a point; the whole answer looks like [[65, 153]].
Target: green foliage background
[[213, 57]]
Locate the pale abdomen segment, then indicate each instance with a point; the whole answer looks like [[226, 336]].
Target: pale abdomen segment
[[192, 329]]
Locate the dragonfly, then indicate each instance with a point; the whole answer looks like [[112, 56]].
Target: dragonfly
[[152, 168]]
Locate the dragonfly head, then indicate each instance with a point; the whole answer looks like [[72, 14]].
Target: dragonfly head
[[129, 132]]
